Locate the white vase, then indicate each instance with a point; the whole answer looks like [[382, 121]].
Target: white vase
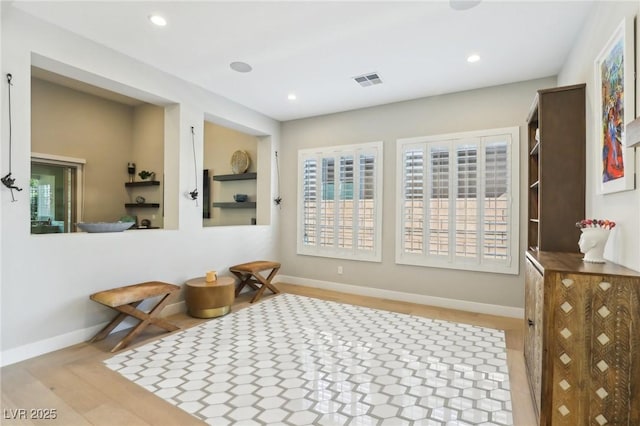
[[592, 243]]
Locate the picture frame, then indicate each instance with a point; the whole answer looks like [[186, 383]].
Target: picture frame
[[615, 107]]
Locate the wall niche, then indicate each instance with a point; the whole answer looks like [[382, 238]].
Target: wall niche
[[225, 180], [102, 131]]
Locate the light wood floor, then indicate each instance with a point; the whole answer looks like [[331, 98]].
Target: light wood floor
[[75, 383]]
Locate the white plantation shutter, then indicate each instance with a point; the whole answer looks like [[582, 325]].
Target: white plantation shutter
[[366, 204], [465, 207], [497, 200], [310, 201], [438, 201], [345, 203], [413, 205], [456, 206], [327, 212], [340, 203]]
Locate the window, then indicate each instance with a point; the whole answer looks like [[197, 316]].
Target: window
[[339, 201], [55, 193], [458, 201]]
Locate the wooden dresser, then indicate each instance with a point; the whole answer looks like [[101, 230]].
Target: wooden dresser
[[582, 340]]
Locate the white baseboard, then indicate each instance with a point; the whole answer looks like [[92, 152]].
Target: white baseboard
[[30, 350], [462, 305], [174, 308]]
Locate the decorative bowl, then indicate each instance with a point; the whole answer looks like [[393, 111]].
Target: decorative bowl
[[240, 161], [240, 198], [104, 226]]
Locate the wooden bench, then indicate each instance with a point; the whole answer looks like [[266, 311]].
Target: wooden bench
[[126, 300], [249, 274]]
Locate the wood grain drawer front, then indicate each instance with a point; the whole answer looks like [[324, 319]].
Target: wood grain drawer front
[[534, 303], [595, 352]]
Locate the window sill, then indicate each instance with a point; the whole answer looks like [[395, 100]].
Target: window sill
[[341, 255], [510, 268]]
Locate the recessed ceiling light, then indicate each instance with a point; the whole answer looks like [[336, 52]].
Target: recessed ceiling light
[[292, 97], [240, 66], [158, 20], [473, 58]]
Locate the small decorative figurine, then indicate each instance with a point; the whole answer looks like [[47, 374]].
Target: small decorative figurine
[[593, 240]]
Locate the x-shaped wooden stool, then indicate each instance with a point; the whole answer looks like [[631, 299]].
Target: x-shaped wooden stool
[[249, 274], [126, 300]]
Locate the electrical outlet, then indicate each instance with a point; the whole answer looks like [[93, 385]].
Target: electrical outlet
[[339, 270]]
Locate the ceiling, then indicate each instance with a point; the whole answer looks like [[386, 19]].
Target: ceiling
[[314, 49]]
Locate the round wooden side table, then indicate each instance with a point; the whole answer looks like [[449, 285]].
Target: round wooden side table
[[209, 299]]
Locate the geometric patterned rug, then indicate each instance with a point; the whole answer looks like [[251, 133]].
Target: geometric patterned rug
[[295, 360]]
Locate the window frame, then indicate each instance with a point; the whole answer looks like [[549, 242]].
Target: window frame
[[353, 253], [482, 138], [78, 164]]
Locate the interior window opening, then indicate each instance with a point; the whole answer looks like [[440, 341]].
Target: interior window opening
[[55, 195]]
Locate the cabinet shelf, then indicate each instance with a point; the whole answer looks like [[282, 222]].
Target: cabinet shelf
[[142, 183], [535, 185], [535, 149], [242, 176], [143, 205], [234, 205]]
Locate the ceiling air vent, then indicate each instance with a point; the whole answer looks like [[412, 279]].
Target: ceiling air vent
[[368, 79]]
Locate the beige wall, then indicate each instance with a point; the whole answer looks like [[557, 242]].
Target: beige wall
[[219, 145], [494, 107], [74, 124], [107, 135], [147, 151]]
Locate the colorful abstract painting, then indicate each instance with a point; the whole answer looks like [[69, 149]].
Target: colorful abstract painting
[[612, 112], [614, 69]]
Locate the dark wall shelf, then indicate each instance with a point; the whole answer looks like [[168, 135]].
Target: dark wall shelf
[[244, 205], [243, 176], [143, 183], [143, 205]]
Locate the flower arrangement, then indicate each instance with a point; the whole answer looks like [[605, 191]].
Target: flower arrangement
[[596, 223]]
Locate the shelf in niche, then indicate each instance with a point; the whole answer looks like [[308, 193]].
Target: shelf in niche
[[234, 205], [143, 183], [143, 205], [242, 176]]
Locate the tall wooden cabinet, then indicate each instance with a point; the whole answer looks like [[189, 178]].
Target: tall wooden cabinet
[[556, 168], [582, 340]]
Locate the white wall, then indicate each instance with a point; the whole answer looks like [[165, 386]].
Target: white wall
[[623, 207], [495, 107], [46, 279]]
